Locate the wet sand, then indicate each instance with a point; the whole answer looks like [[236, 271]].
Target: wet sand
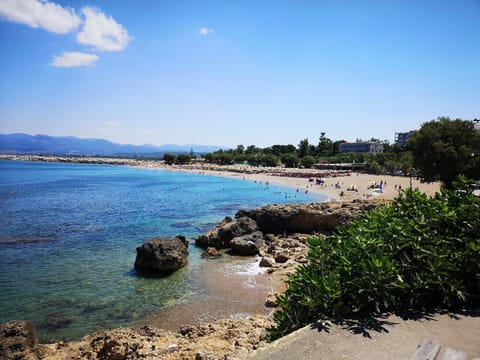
[[235, 287]]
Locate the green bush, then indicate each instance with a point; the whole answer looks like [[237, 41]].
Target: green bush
[[308, 161], [416, 253]]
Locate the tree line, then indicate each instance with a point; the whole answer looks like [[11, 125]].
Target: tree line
[[305, 155], [441, 149]]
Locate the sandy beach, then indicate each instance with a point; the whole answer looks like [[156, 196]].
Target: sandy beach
[[337, 186]]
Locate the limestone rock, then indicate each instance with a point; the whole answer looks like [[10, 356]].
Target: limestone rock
[[269, 238], [266, 262], [305, 218], [212, 238], [221, 236], [276, 221], [247, 244], [281, 258], [271, 301], [211, 253], [162, 255], [18, 340]]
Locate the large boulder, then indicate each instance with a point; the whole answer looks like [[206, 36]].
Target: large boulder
[[245, 234], [162, 255], [247, 245], [305, 218], [18, 340], [221, 236]]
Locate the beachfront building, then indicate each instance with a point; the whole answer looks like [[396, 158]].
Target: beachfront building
[[372, 147], [401, 138], [476, 124]]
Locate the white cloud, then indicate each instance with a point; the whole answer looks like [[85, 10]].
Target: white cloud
[[40, 14], [71, 59], [99, 31], [102, 32], [205, 31]]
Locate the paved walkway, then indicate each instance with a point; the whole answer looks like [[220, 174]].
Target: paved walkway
[[380, 338]]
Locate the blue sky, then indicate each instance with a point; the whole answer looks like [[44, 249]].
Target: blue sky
[[236, 72]]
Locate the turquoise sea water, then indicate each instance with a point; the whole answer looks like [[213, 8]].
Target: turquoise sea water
[[68, 234]]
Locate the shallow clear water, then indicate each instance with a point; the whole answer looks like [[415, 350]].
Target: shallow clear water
[[68, 234]]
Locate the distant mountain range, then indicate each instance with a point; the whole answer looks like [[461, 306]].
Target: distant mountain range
[[69, 145]]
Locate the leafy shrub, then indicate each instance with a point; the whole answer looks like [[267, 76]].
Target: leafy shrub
[[416, 253]]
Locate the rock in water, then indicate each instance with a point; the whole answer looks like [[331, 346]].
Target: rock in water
[[221, 236], [249, 244], [162, 255], [18, 340], [211, 253]]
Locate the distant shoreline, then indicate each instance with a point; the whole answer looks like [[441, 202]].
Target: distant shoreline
[[335, 186]]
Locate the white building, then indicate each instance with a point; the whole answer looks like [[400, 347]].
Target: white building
[[372, 147]]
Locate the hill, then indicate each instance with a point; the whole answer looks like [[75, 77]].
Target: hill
[[69, 145]]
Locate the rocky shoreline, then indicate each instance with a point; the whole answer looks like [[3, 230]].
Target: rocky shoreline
[[278, 233]]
